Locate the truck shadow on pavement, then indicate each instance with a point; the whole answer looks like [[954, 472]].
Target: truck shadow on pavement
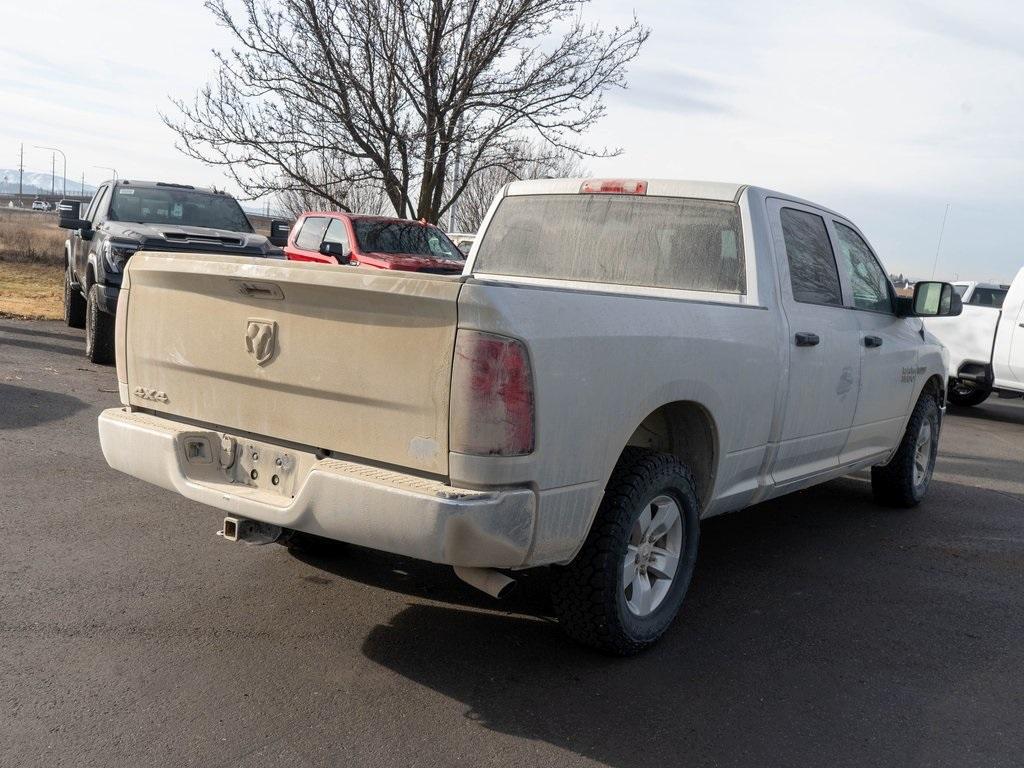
[[27, 407], [67, 334], [41, 346], [995, 409], [819, 624]]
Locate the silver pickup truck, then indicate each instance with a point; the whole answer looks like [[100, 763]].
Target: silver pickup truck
[[619, 360]]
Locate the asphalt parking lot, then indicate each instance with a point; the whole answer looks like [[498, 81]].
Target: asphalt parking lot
[[820, 629]]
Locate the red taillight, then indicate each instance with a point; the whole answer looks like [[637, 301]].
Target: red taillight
[[613, 187], [492, 396]]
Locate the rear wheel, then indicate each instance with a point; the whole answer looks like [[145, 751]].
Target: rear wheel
[[905, 479], [967, 393], [74, 304], [627, 583], [99, 331]]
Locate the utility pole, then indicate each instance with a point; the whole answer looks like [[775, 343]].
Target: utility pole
[[53, 171], [21, 171], [942, 231], [82, 192], [65, 158]]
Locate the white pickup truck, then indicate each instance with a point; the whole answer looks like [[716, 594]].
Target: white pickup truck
[[986, 343], [619, 360]]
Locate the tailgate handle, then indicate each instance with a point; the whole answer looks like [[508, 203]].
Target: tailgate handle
[[259, 290]]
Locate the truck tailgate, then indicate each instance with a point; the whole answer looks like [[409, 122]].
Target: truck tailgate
[[348, 359]]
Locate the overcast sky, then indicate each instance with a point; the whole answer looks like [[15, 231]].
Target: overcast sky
[[885, 111]]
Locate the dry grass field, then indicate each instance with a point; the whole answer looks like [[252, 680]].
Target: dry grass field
[[28, 237], [32, 291], [31, 250]]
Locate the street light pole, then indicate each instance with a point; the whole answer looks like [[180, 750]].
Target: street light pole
[[54, 149], [107, 168]]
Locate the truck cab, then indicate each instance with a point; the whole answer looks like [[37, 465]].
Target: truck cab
[[380, 242], [974, 294]]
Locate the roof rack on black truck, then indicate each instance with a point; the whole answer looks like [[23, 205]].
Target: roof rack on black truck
[[125, 216]]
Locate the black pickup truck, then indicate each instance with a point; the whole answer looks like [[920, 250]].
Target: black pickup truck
[[126, 216]]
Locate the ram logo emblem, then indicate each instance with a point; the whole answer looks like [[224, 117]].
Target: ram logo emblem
[[261, 340]]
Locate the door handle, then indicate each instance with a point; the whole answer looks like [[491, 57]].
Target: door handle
[[804, 339], [872, 341], [258, 290]]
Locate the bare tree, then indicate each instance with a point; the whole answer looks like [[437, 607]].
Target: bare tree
[[329, 95], [481, 189], [356, 199]]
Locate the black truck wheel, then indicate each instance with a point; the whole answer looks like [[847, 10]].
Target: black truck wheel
[[628, 581], [74, 304], [967, 394], [905, 479], [99, 331]]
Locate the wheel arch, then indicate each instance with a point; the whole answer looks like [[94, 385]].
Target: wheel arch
[[936, 386], [687, 430]]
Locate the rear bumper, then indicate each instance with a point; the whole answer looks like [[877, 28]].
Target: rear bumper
[[341, 500]]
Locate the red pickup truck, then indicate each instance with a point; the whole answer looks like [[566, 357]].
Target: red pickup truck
[[384, 242]]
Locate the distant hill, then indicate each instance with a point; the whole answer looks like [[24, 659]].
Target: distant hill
[[35, 182]]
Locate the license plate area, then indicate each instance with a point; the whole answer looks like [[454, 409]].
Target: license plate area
[[266, 467], [230, 463]]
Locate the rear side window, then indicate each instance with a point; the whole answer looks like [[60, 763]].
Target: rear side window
[[659, 242], [988, 297], [312, 233], [812, 265]]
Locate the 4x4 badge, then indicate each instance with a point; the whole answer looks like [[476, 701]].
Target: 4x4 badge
[[145, 393], [261, 339]]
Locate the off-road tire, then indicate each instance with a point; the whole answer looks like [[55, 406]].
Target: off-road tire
[[893, 484], [99, 331], [588, 594], [74, 304], [977, 395]]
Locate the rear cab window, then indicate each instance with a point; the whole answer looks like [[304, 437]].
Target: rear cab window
[[631, 240]]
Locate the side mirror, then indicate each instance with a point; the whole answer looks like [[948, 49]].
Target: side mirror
[[83, 224], [934, 299], [279, 233], [336, 250], [69, 208], [69, 211]]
